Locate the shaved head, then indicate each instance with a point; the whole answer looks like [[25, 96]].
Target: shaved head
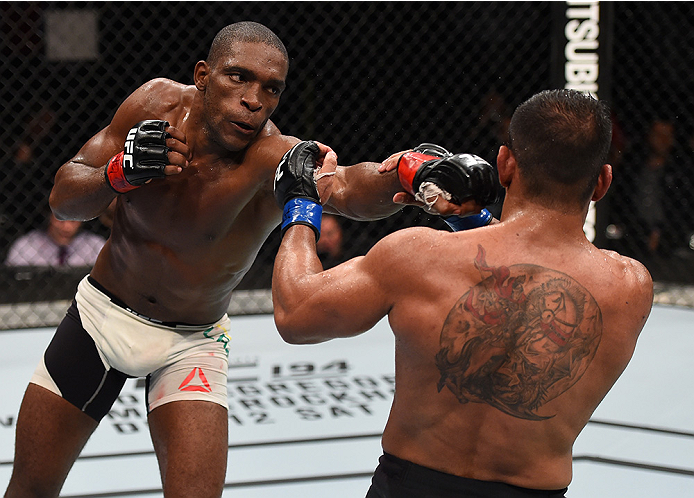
[[246, 31]]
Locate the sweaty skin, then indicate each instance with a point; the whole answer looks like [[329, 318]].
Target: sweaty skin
[[179, 245], [507, 337]]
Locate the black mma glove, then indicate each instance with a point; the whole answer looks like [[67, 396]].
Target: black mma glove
[[460, 177], [463, 176], [144, 157], [295, 187]]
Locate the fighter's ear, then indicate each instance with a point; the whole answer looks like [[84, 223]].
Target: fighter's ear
[[506, 165], [200, 75], [604, 181]]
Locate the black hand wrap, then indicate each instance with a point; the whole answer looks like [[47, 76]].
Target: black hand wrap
[[144, 156], [464, 176], [295, 187]]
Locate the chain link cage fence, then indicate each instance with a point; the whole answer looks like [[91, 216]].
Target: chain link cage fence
[[368, 78]]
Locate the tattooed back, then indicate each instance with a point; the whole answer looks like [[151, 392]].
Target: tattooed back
[[507, 339]]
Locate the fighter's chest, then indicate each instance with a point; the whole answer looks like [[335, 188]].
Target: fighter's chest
[[193, 209]]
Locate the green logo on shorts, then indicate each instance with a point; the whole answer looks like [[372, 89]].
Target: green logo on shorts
[[223, 337]]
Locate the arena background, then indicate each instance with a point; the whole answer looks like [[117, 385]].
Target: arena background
[[368, 78]]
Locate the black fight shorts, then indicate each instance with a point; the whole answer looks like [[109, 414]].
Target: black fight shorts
[[398, 478]]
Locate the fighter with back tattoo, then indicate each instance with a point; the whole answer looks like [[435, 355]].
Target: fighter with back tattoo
[[508, 336]]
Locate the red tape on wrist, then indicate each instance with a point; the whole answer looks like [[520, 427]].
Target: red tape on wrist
[[115, 176], [408, 164]]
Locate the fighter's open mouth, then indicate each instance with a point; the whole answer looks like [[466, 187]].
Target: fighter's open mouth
[[245, 126]]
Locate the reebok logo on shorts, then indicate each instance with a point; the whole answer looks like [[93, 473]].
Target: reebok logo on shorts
[[195, 381]]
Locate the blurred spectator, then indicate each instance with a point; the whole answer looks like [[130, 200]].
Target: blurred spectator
[[329, 246], [59, 244], [24, 154], [491, 128], [27, 172], [619, 143], [686, 198], [651, 181]]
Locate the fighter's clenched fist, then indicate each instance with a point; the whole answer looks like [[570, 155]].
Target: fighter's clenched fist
[[296, 184], [146, 155]]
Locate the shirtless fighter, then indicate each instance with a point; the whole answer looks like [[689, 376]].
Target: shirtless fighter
[[507, 336], [192, 170]]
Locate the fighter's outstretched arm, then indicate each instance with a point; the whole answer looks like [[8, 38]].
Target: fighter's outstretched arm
[[429, 176], [361, 192], [312, 305], [81, 190]]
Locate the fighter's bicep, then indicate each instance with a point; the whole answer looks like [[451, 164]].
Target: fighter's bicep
[[99, 149], [355, 293], [374, 283]]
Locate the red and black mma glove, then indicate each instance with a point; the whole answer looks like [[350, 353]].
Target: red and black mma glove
[[144, 157], [462, 176], [410, 162], [295, 187]]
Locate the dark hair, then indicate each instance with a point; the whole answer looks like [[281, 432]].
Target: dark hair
[[245, 31], [561, 139]]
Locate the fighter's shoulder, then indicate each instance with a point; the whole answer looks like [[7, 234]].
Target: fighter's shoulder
[[629, 265], [164, 87], [401, 251], [270, 129], [631, 275], [269, 140], [267, 149], [160, 96]]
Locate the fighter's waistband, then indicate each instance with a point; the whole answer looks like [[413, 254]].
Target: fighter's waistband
[[408, 471], [121, 304]]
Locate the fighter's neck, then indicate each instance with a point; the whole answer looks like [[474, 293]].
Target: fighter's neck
[[533, 217]]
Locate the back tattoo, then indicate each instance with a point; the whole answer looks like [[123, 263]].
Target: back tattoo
[[518, 339]]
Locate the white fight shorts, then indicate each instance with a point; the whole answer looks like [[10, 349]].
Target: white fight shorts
[[99, 344]]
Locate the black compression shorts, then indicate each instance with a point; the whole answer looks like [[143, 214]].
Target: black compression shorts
[[73, 362], [398, 478]]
